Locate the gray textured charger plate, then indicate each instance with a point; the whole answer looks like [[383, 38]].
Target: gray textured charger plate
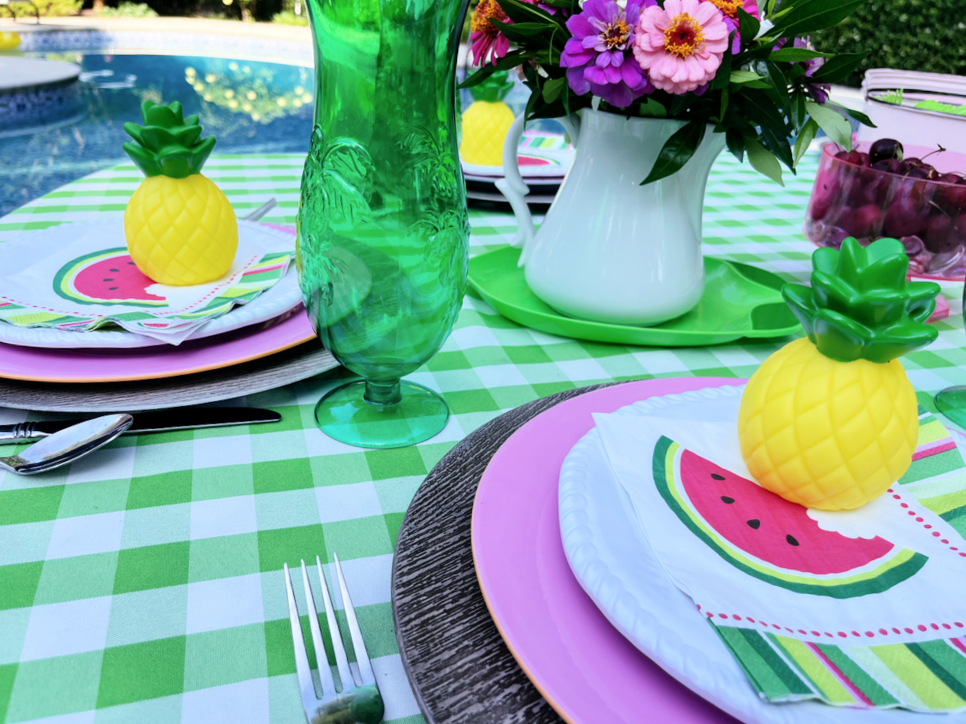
[[293, 365], [458, 665]]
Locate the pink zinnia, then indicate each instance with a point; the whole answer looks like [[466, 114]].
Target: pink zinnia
[[680, 46], [487, 43], [729, 8]]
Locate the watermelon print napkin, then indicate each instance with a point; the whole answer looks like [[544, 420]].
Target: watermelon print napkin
[[80, 278], [860, 608]]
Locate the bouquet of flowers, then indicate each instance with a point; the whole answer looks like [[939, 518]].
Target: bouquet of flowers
[[745, 67]]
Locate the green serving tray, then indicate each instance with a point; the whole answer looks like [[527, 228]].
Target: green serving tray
[[738, 301]]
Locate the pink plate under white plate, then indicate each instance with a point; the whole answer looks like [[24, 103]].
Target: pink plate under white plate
[[580, 663], [148, 363]]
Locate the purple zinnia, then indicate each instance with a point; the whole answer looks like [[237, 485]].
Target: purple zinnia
[[598, 57], [818, 92]]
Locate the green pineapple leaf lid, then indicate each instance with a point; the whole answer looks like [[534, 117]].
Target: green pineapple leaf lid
[[168, 143], [495, 88], [860, 305]]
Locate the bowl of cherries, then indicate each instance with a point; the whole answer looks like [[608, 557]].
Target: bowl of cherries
[[912, 193]]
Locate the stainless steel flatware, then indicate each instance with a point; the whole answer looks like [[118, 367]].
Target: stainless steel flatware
[[162, 421], [67, 445], [357, 702], [261, 210]]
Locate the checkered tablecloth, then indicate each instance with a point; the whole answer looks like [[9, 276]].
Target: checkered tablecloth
[[143, 584]]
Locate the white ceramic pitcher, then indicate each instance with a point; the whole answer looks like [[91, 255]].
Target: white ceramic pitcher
[[609, 249]]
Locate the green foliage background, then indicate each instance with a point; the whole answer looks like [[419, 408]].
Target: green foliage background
[[924, 35]]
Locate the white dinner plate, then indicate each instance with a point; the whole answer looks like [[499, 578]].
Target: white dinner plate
[[282, 297], [616, 568]]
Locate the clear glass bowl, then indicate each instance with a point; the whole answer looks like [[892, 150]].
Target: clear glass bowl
[[928, 217]]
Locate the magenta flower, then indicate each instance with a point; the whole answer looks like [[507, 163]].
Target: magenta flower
[[598, 56], [681, 45], [487, 43], [818, 92], [729, 10]]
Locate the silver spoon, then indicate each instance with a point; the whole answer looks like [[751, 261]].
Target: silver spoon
[[67, 445]]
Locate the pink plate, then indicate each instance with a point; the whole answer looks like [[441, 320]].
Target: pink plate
[[580, 663], [148, 363]]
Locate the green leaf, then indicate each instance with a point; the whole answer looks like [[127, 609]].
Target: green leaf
[[723, 75], [805, 137], [651, 108], [677, 151], [743, 76], [523, 32], [748, 25], [857, 115], [521, 12], [778, 145], [803, 18], [777, 84], [832, 122], [736, 143], [796, 55], [724, 104], [839, 68], [798, 113], [552, 89], [508, 62], [763, 161], [761, 110]]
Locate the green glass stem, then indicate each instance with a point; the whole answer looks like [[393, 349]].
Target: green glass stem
[[382, 222], [952, 403]]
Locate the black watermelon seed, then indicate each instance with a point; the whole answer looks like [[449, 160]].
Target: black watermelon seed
[[717, 477], [108, 280], [791, 541], [131, 263], [754, 523], [728, 500], [112, 289], [115, 270]]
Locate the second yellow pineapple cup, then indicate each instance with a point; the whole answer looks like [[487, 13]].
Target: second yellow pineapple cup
[[179, 226], [831, 421], [487, 121]]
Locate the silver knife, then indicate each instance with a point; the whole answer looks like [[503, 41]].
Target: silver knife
[[160, 421]]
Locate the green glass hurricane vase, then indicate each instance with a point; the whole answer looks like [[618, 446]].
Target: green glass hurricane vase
[[382, 221]]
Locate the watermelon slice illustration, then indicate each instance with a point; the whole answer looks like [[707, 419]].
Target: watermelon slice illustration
[[106, 277], [770, 538]]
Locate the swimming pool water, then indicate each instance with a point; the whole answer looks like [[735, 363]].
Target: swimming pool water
[[249, 106]]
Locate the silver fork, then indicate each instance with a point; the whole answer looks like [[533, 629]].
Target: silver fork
[[356, 703], [261, 210]]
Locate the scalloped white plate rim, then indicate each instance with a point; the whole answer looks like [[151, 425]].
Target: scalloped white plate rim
[[617, 569], [278, 300]]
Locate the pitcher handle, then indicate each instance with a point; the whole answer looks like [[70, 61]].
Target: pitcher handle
[[512, 185]]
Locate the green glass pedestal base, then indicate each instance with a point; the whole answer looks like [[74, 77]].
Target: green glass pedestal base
[[952, 403], [381, 415]]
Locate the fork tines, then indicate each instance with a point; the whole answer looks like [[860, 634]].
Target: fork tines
[[310, 701]]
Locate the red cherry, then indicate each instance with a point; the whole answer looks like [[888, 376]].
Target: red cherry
[[889, 165], [938, 234], [827, 192], [904, 217], [886, 148], [863, 222], [952, 197], [856, 158]]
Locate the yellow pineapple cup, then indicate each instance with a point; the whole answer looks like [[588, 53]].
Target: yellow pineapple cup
[[179, 226], [487, 121], [831, 421]]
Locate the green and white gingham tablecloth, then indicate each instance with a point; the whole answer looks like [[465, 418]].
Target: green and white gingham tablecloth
[[144, 584]]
